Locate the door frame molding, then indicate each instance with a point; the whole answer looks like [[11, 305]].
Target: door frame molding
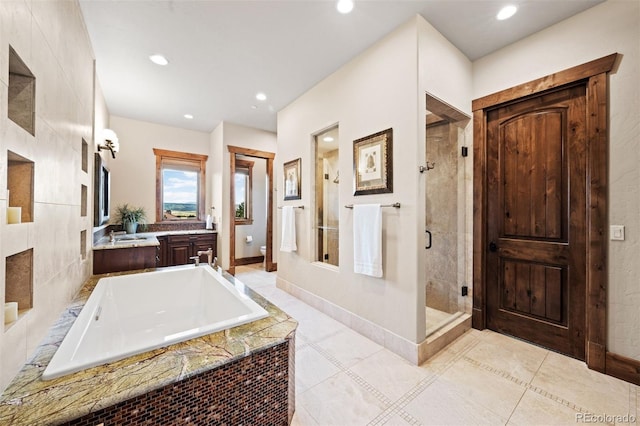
[[268, 156], [595, 76]]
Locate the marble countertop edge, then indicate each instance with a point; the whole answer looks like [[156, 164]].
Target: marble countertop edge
[[151, 239]]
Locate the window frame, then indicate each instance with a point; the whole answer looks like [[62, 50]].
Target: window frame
[[184, 159], [248, 207]]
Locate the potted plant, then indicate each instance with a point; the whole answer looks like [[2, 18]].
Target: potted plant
[[130, 217]]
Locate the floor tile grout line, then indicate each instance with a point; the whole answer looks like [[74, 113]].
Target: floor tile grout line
[[527, 385], [360, 382], [633, 400], [398, 406], [392, 407], [381, 397]]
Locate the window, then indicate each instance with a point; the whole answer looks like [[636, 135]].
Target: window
[[243, 178], [180, 185]]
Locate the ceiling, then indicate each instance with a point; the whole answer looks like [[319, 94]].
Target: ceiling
[[222, 53]]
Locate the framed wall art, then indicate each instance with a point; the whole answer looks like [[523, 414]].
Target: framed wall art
[[373, 163], [292, 179]]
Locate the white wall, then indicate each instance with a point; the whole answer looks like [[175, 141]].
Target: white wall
[[216, 173], [224, 135], [258, 228], [604, 29], [41, 33], [133, 172], [375, 91]]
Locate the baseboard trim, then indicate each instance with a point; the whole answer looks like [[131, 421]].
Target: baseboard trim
[[249, 260], [385, 338], [623, 368]]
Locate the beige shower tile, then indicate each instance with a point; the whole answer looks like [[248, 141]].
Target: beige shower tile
[[340, 401], [571, 380]]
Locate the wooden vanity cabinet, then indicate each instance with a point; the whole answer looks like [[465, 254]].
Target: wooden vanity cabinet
[[177, 249], [124, 259]]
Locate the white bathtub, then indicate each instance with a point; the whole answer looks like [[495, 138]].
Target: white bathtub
[[131, 314]]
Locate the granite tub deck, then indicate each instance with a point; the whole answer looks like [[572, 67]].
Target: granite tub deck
[[251, 367]]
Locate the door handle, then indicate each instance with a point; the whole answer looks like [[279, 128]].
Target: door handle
[[429, 243], [493, 247]]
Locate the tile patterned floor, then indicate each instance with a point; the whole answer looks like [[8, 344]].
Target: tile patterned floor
[[345, 379]]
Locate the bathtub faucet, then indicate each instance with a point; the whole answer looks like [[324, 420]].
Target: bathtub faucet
[[209, 254]]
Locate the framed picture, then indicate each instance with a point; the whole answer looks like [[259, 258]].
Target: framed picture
[[292, 180], [373, 163]]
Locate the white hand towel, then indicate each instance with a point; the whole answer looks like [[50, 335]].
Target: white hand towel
[[288, 229], [367, 239]]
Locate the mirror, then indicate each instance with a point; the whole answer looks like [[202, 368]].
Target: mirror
[[101, 193]]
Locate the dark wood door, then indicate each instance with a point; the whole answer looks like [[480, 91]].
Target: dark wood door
[[536, 219]]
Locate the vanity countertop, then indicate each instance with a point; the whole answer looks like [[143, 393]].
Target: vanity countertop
[[28, 400], [143, 239]]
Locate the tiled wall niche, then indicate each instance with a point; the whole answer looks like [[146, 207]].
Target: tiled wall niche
[[19, 281], [85, 156], [83, 200], [20, 184], [83, 244], [22, 93]]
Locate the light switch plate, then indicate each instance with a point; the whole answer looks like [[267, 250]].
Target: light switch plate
[[617, 232]]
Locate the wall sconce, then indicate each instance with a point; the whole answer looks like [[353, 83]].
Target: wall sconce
[[110, 142]]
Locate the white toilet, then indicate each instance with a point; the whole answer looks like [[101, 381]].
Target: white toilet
[[263, 252]]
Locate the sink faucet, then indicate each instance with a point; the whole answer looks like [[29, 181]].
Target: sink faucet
[[112, 235], [210, 259], [196, 260]]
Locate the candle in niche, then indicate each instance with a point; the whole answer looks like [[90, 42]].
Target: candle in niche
[[10, 312], [14, 214]]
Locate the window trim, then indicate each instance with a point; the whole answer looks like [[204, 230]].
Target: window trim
[[198, 162], [248, 165]]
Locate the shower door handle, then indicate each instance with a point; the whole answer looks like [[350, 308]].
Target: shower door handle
[[429, 235]]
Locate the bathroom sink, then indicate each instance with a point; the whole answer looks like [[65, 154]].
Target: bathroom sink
[[129, 239]]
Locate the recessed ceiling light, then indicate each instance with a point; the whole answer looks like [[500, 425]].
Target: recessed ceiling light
[[261, 96], [344, 6], [158, 59], [188, 116], [327, 139], [506, 12]]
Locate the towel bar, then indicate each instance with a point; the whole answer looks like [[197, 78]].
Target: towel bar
[[295, 207], [395, 205]]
